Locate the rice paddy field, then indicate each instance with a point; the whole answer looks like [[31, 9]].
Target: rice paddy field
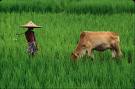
[[63, 21]]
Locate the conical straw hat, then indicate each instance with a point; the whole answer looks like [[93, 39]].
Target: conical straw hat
[[30, 24]]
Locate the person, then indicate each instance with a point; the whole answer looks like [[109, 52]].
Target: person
[[30, 37]]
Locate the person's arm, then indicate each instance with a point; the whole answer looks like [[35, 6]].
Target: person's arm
[[26, 36], [34, 38]]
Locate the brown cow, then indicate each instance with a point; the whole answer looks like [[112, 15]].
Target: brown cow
[[99, 41]]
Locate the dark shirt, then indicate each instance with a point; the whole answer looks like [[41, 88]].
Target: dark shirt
[[30, 37]]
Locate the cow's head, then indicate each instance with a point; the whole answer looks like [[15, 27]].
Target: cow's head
[[80, 49]]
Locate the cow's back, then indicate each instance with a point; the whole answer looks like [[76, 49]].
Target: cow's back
[[96, 38], [98, 35]]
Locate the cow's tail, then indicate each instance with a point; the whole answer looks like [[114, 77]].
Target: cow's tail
[[118, 38]]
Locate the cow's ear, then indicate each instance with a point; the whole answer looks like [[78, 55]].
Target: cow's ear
[[82, 35]]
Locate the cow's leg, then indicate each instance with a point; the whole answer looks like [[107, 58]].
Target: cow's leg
[[90, 53], [113, 53], [118, 51]]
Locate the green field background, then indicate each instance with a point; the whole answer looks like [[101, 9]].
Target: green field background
[[68, 6], [52, 66]]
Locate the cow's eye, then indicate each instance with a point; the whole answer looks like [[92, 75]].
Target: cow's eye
[[77, 54], [83, 45]]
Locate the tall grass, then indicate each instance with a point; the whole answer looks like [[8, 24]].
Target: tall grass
[[69, 6], [52, 66]]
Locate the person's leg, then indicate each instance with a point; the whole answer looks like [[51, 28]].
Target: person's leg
[[29, 48], [33, 48]]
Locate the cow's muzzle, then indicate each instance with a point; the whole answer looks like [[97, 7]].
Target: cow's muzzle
[[74, 56]]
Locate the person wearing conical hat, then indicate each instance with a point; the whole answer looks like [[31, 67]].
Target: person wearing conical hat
[[30, 37]]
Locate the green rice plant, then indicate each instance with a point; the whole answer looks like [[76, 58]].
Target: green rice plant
[[52, 66], [69, 6]]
